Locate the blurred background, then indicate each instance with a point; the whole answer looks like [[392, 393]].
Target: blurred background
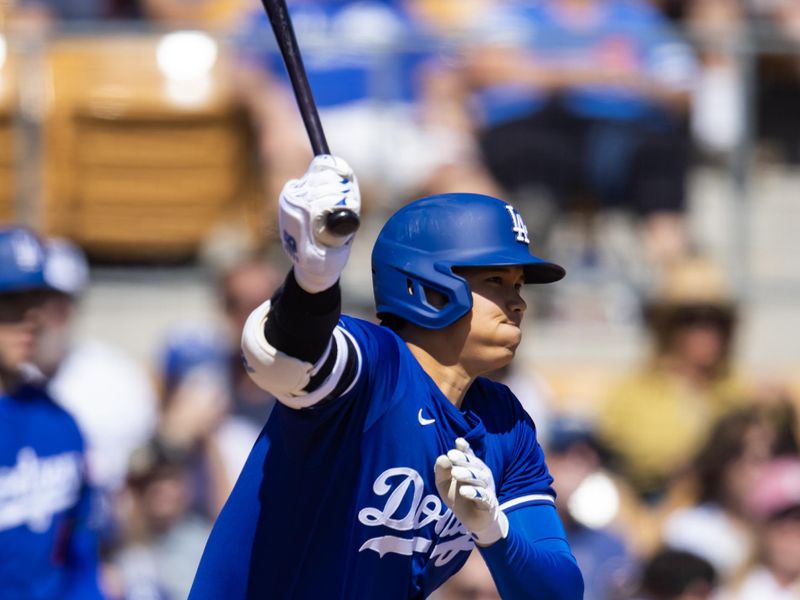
[[653, 148]]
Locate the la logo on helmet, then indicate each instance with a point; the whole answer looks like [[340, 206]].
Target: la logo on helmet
[[26, 251], [518, 225]]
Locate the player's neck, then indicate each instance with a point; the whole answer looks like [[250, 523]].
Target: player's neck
[[450, 377]]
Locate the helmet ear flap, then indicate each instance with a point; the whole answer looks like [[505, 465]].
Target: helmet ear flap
[[427, 294], [433, 298]]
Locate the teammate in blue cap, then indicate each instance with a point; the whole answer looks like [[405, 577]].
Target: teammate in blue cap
[[47, 547], [389, 456]]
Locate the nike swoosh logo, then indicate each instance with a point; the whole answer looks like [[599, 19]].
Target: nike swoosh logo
[[422, 420]]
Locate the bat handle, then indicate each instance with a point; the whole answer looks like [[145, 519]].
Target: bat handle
[[340, 222]]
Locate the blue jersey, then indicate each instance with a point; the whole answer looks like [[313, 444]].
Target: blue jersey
[[47, 549], [352, 51], [627, 36], [339, 501]]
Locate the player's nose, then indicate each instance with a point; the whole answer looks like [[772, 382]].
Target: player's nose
[[516, 304]]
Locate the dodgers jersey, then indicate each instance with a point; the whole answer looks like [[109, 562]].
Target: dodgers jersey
[[339, 500], [47, 549]]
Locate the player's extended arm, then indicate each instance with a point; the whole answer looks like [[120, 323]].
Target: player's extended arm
[[534, 560], [527, 553], [289, 344]]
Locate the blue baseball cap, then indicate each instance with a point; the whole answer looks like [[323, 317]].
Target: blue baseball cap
[[22, 261], [66, 269], [189, 348]]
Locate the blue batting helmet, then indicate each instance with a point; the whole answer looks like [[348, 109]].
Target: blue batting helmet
[[22, 260], [422, 242]]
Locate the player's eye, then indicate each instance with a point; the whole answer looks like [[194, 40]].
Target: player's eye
[[496, 279]]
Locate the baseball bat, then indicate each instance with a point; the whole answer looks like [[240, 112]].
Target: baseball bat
[[343, 221]]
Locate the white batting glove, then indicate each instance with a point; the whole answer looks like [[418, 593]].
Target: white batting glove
[[466, 485], [318, 256]]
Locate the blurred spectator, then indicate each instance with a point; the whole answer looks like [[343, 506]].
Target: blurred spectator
[[472, 582], [196, 416], [592, 107], [675, 10], [718, 110], [241, 287], [195, 409], [48, 11], [48, 546], [210, 408], [775, 503], [677, 575], [655, 419], [778, 85], [720, 27], [110, 396], [368, 63], [589, 501], [726, 471], [163, 538]]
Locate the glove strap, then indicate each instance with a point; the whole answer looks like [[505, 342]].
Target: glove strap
[[496, 530]]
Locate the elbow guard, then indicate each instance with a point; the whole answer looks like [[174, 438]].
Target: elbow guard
[[284, 376]]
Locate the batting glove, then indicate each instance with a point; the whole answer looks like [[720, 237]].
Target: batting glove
[[318, 256], [466, 485]]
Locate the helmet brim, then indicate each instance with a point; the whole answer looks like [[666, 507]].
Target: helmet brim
[[534, 269]]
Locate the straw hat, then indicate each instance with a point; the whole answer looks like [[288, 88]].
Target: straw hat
[[693, 282], [692, 291]]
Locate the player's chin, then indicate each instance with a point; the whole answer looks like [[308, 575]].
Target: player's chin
[[510, 337], [506, 351]]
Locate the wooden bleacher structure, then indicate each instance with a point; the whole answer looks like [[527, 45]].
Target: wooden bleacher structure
[[130, 172]]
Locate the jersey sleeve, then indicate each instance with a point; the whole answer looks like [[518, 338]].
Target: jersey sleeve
[[362, 380], [534, 561], [525, 480], [377, 376]]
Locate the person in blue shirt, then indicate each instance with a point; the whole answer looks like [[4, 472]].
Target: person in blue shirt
[[47, 544], [590, 101], [389, 457], [376, 71]]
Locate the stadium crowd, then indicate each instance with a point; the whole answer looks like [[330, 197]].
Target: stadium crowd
[[676, 480]]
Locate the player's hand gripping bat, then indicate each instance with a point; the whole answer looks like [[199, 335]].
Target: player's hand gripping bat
[[339, 222]]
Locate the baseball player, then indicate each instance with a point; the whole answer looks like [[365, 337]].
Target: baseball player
[[47, 548], [389, 457]]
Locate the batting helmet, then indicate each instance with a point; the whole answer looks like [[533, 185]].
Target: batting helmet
[[421, 243], [22, 260]]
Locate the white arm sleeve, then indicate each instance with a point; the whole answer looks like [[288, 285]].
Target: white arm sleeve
[[286, 377]]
